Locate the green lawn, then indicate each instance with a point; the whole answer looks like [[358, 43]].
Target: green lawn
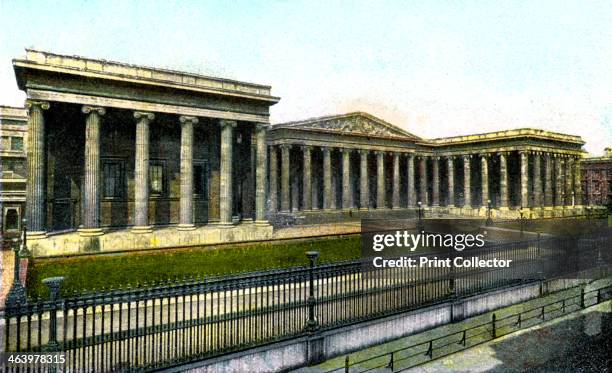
[[565, 226], [96, 272]]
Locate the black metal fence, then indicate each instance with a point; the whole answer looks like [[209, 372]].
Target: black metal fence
[[473, 335], [174, 323]]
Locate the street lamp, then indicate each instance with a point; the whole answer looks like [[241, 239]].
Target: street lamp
[[489, 218], [419, 215], [522, 220]]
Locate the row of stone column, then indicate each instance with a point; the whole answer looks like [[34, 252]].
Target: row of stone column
[[91, 183], [567, 183]]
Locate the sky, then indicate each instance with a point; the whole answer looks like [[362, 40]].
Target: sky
[[434, 68]]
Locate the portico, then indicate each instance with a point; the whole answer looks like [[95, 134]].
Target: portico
[[113, 145]]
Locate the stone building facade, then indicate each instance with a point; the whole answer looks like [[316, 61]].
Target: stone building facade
[[128, 157], [597, 180], [13, 171], [358, 162], [113, 145]]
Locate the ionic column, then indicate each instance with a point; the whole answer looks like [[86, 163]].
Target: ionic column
[[307, 177], [226, 199], [364, 186], [484, 173], [558, 181], [380, 180], [327, 188], [186, 198], [412, 199], [569, 181], [36, 153], [347, 199], [524, 179], [285, 181], [548, 189], [141, 173], [273, 179], [467, 190], [503, 182], [423, 179], [537, 180], [261, 174], [451, 180], [395, 203], [577, 183], [436, 182], [91, 194]]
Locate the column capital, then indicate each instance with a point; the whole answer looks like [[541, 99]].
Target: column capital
[[466, 156], [225, 123], [326, 149], [143, 115], [449, 157], [43, 105], [380, 152], [87, 109], [261, 126], [436, 157], [346, 150], [285, 146], [364, 151], [188, 119], [306, 147]]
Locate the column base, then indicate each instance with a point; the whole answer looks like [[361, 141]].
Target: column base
[[262, 223], [503, 208], [90, 232], [186, 227], [141, 229], [36, 235], [363, 209], [396, 208]]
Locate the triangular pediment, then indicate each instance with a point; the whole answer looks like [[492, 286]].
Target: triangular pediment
[[353, 123]]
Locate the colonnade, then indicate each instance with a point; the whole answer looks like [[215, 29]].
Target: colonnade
[[543, 179], [36, 190]]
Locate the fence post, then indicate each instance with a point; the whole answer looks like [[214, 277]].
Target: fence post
[[312, 324], [493, 331], [346, 364], [54, 284], [582, 297], [316, 345]]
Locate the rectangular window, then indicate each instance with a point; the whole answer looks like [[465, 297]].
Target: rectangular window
[[156, 179], [5, 143], [199, 179], [113, 173], [16, 143]]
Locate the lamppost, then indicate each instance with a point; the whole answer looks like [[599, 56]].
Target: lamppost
[[522, 220], [17, 294], [420, 215], [312, 324], [489, 218]]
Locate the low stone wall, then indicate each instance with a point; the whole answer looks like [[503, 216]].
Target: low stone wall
[[300, 352], [73, 243]]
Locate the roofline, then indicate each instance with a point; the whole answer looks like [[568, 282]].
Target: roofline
[[37, 59]]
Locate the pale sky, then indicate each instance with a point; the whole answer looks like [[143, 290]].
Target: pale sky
[[435, 68]]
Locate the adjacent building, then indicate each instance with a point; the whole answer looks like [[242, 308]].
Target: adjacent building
[[13, 168], [129, 157], [597, 179]]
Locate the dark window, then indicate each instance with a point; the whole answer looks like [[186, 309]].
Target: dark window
[[199, 179], [156, 179], [12, 219], [113, 179], [17, 143]]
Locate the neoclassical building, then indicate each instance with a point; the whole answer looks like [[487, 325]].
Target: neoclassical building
[[113, 145], [130, 157], [356, 162]]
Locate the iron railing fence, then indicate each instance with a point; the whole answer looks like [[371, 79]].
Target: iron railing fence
[[472, 335], [174, 323]]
